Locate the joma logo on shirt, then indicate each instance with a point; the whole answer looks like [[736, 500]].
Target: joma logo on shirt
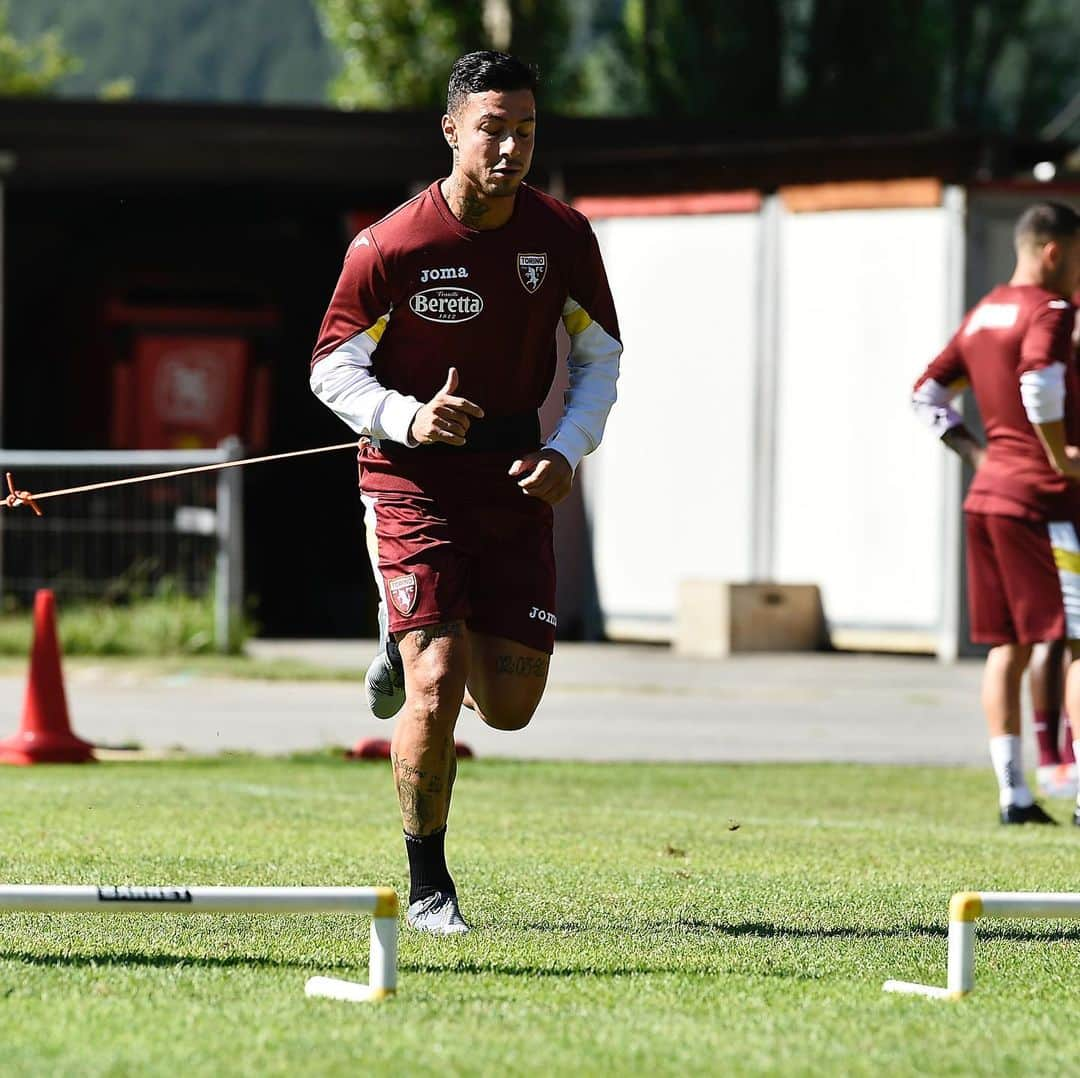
[[445, 273], [446, 304], [992, 316]]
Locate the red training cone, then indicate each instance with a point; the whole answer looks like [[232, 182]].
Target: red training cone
[[45, 734], [378, 748], [369, 748]]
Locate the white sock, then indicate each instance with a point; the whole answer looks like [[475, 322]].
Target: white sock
[[1009, 769], [1076, 749]]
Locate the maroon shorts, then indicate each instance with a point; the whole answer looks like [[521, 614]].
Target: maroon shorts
[[458, 540], [1022, 587]]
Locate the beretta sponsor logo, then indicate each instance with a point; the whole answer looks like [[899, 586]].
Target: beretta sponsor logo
[[446, 304], [143, 894]]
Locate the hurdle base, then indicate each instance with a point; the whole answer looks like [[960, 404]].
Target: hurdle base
[[348, 991], [910, 988]]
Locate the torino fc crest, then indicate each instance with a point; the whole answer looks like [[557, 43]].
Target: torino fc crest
[[403, 593], [531, 271]]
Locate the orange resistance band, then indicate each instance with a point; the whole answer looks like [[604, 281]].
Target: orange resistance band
[[15, 498]]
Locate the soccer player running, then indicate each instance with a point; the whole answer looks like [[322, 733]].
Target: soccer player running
[[439, 347], [1022, 511]]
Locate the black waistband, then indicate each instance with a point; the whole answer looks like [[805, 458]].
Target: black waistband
[[519, 433]]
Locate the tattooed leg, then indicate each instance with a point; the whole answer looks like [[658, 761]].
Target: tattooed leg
[[422, 639], [451, 777], [436, 661], [506, 680], [422, 796]]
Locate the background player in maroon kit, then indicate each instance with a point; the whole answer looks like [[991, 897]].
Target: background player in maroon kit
[[1022, 512], [1055, 772], [439, 346]]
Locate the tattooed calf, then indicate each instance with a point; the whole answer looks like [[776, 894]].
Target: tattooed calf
[[423, 637], [521, 666], [405, 769]]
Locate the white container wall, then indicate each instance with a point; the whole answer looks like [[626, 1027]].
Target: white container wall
[[668, 493], [763, 430], [865, 305]]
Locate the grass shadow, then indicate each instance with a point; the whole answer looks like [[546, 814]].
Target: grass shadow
[[755, 929], [171, 961], [987, 930], [454, 963]]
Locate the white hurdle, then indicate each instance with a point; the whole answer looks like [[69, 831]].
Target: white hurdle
[[379, 902], [965, 908]]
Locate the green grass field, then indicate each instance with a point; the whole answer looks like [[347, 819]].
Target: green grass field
[[629, 919]]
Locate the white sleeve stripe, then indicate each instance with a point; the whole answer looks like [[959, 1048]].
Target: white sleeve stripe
[[1043, 393], [360, 347], [594, 371], [931, 404], [343, 381]]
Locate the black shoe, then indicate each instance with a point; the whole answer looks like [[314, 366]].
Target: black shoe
[[1032, 813]]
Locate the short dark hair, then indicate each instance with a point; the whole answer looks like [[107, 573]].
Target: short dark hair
[[478, 72], [1046, 221]]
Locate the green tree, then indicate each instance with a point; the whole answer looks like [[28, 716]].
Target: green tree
[[201, 50], [34, 66], [1011, 64], [775, 67], [540, 32], [1043, 78], [607, 60], [709, 58], [397, 53], [868, 67]]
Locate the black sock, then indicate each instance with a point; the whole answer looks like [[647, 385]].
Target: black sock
[[393, 653], [427, 865]]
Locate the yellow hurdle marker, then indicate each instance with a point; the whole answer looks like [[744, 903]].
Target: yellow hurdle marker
[[380, 902], [965, 908]]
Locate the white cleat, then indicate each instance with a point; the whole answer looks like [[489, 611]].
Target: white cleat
[[1057, 780], [385, 682], [438, 915]]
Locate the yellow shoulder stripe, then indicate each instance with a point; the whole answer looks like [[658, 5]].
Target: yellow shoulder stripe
[[1068, 560], [577, 321], [377, 330]]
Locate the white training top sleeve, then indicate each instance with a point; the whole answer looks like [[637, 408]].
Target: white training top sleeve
[[931, 402], [1043, 393], [594, 372], [343, 381]]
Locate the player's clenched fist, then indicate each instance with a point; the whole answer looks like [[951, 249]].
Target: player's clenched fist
[[546, 475], [1070, 467], [445, 418]]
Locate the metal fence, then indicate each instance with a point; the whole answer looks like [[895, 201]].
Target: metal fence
[[114, 544]]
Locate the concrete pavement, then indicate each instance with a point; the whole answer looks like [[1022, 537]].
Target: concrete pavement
[[604, 702]]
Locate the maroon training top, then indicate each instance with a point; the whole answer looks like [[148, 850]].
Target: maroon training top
[[1014, 329], [486, 302]]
